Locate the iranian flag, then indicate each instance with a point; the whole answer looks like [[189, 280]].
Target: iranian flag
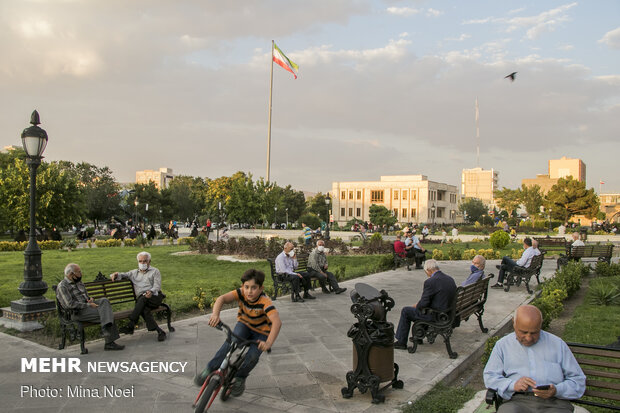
[[281, 59]]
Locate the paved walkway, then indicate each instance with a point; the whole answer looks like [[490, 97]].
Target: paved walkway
[[304, 372]]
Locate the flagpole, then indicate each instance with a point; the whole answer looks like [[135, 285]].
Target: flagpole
[[269, 122], [477, 135]]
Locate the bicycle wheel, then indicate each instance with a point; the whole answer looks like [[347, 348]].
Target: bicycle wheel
[[208, 395], [226, 389]]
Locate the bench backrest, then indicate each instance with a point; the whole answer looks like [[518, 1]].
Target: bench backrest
[[302, 264], [472, 297], [590, 251], [537, 262], [601, 366], [116, 292]]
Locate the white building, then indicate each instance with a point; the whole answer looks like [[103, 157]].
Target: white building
[[411, 198]]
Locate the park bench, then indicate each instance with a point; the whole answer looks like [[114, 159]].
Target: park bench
[[602, 253], [601, 365], [398, 260], [468, 301], [117, 292], [552, 244], [281, 282], [520, 274]]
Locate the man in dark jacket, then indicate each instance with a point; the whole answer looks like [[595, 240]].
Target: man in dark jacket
[[438, 293]]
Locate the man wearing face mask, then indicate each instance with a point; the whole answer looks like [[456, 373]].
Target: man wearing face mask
[[477, 270], [72, 295], [147, 285], [286, 263], [317, 267]]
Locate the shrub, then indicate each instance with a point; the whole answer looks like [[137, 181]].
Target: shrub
[[550, 304], [488, 348], [376, 237], [454, 253], [71, 243], [607, 270], [310, 219], [499, 239], [128, 242], [469, 254], [200, 243], [437, 255], [604, 294], [186, 241]]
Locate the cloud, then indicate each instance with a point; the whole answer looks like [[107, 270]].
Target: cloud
[[433, 13], [535, 25], [461, 38], [611, 39], [403, 11], [566, 47]]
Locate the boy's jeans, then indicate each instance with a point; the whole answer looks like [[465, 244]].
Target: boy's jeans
[[251, 357]]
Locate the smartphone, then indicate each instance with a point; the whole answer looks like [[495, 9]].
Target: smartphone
[[543, 387]]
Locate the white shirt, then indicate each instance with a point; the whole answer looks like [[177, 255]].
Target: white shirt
[[578, 243], [526, 258]]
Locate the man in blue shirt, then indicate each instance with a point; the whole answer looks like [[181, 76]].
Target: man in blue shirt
[[286, 263], [509, 264], [532, 369], [477, 270]]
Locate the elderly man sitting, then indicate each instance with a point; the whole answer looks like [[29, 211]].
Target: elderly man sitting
[[477, 270], [317, 266], [147, 286], [533, 370]]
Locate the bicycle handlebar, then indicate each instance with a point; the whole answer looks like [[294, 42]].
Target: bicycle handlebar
[[229, 333]]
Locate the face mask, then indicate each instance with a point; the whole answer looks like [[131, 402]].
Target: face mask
[[77, 279], [291, 253], [320, 248], [473, 268], [143, 267]]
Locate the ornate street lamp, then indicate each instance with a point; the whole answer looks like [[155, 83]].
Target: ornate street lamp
[[30, 306], [136, 217], [275, 209], [433, 214], [286, 218], [328, 201]]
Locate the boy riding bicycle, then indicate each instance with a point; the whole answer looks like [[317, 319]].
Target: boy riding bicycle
[[257, 320]]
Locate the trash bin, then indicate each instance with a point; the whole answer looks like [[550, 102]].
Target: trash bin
[[373, 344]]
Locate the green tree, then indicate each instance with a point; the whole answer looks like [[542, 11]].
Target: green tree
[[244, 204], [508, 200], [474, 208], [531, 198], [59, 200], [380, 215], [149, 202], [569, 197], [186, 196], [317, 206], [99, 189]]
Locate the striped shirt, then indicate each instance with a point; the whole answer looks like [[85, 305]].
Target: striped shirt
[[72, 294], [255, 315]]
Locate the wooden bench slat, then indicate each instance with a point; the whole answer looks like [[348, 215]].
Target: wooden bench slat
[[599, 363], [595, 351], [603, 384], [601, 373], [602, 395]]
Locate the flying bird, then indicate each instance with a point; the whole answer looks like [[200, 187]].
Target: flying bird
[[511, 76]]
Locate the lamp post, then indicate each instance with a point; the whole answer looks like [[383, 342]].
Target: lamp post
[[219, 209], [433, 214], [275, 209], [328, 201], [549, 219], [286, 218], [30, 306], [135, 223]]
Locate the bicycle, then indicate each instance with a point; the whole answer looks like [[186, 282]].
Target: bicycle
[[223, 377]]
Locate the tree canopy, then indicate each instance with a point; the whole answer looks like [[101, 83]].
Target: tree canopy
[[570, 197]]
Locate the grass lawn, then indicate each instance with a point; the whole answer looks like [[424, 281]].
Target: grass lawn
[[181, 274], [595, 324]]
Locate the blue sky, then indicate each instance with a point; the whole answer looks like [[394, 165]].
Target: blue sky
[[385, 87]]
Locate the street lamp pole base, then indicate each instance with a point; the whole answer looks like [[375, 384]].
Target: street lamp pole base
[[25, 320]]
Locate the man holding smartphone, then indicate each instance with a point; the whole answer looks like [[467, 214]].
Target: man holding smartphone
[[532, 370]]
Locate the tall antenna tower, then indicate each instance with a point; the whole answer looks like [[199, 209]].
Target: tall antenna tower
[[477, 134]]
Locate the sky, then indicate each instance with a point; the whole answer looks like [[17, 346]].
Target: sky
[[385, 87]]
